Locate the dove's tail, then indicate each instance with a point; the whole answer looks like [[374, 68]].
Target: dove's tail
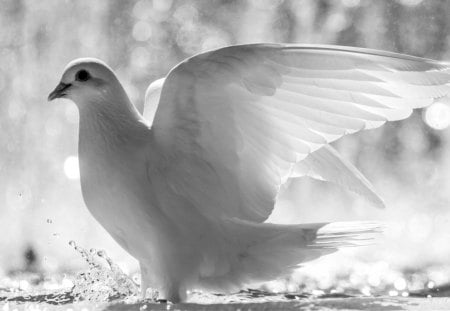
[[268, 251]]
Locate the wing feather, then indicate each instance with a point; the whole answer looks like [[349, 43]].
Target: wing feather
[[241, 120]]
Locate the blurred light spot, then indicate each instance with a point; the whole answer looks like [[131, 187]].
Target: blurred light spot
[[71, 114], [337, 22], [405, 294], [430, 285], [140, 57], [400, 284], [410, 2], [317, 292], [71, 168], [351, 3], [142, 31], [190, 38], [142, 9], [439, 276], [437, 116], [162, 5], [24, 285], [366, 291], [186, 14], [393, 293], [276, 286]]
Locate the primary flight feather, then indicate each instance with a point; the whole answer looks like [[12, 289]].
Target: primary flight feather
[[187, 191]]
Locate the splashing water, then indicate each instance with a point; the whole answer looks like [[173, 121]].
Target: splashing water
[[102, 282]]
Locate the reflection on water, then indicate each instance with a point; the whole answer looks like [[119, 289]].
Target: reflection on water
[[245, 300]]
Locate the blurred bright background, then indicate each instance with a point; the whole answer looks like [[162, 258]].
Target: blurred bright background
[[41, 207]]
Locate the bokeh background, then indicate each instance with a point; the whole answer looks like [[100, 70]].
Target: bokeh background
[[41, 207]]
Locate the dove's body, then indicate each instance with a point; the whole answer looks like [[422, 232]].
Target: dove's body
[[188, 195], [120, 195], [140, 211]]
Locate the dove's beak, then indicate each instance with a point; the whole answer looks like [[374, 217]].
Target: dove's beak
[[58, 92]]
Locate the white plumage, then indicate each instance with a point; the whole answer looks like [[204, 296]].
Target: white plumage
[[187, 191]]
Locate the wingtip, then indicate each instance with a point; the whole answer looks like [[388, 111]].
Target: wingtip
[[379, 203]]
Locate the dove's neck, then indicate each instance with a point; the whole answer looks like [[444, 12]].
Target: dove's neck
[[113, 124]]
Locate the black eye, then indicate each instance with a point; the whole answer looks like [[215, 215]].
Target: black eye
[[82, 75]]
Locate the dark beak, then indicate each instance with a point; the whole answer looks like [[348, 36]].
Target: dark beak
[[58, 92]]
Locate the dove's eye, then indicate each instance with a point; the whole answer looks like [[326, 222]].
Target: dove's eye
[[82, 75]]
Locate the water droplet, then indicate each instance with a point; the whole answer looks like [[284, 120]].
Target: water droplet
[[49, 221], [101, 282]]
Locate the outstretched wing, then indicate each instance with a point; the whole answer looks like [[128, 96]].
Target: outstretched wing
[[325, 164], [234, 124]]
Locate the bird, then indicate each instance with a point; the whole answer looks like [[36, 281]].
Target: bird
[[186, 184]]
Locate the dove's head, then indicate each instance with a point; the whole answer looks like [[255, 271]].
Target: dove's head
[[89, 81]]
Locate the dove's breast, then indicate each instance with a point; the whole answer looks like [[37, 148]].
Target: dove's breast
[[115, 188], [141, 211]]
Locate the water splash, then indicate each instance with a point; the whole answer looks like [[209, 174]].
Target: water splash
[[104, 281]]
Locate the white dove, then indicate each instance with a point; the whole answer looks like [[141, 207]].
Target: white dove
[[188, 193]]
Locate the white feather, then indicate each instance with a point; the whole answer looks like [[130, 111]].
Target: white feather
[[324, 164]]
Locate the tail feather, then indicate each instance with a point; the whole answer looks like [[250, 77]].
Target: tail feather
[[269, 251], [346, 234]]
